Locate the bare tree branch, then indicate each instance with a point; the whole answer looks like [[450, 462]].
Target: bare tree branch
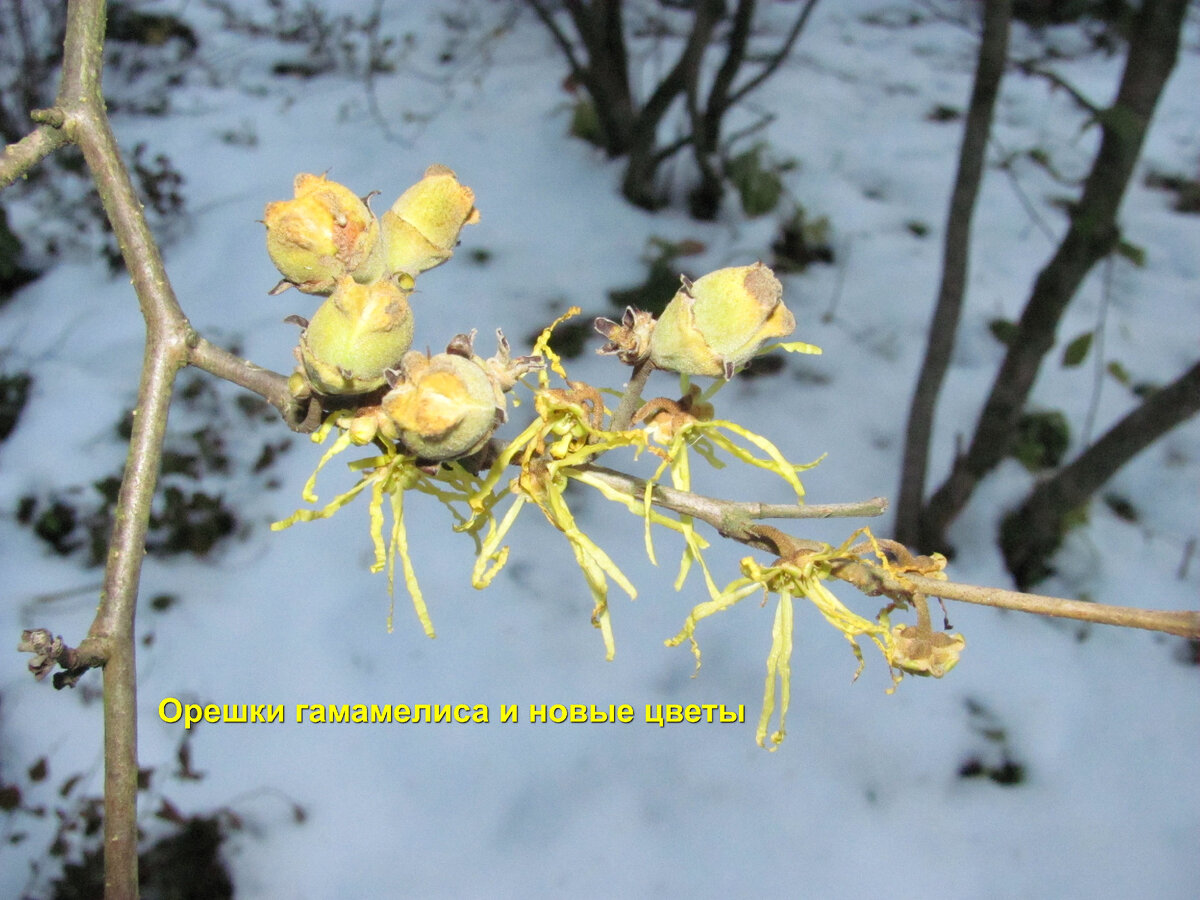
[[1031, 534], [1184, 623], [708, 13], [79, 116], [1093, 233], [735, 54], [21, 157], [303, 417], [632, 398], [943, 329], [735, 520], [578, 69], [732, 518], [776, 59], [1032, 68]]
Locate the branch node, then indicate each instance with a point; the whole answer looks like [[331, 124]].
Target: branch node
[[46, 649], [49, 651], [54, 116]]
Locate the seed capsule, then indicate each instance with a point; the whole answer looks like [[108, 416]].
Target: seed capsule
[[713, 326], [325, 233], [443, 407], [421, 228], [359, 332]]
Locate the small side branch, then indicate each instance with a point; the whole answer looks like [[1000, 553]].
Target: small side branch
[[732, 517], [50, 652], [775, 60], [876, 580], [21, 157], [578, 69], [632, 398], [735, 520], [300, 416], [1031, 67]]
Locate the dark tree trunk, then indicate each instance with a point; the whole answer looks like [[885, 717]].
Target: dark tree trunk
[[606, 76], [1153, 47], [704, 200], [993, 54], [1031, 534], [598, 59], [640, 183]]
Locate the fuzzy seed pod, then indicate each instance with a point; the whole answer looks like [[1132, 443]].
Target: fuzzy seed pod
[[443, 407], [716, 324], [323, 234], [360, 331], [421, 228]]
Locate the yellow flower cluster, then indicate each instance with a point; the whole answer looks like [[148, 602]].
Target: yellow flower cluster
[[431, 418], [916, 650]]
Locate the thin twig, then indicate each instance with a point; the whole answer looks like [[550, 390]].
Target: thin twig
[[1010, 173], [375, 56], [303, 417], [1183, 623], [1030, 67], [735, 520], [726, 514], [26, 153], [1106, 290], [578, 69], [632, 398], [775, 60]]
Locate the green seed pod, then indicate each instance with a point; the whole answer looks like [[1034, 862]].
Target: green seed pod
[[443, 407], [421, 228], [716, 324], [359, 332], [323, 234]]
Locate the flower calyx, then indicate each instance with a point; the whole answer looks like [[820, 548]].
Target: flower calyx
[[583, 407], [915, 649], [899, 559], [504, 370], [629, 339]]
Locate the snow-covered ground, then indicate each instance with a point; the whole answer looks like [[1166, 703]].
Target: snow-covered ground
[[864, 798]]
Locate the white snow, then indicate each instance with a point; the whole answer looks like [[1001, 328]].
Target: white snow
[[863, 799]]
